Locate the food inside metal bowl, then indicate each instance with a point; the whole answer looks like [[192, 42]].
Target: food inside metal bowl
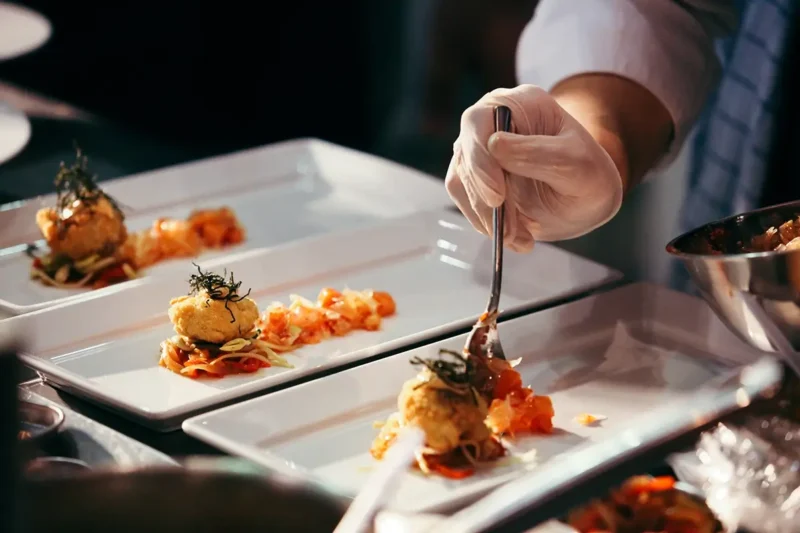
[[778, 239], [762, 230]]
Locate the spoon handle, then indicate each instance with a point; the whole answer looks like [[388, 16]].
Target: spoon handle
[[502, 122]]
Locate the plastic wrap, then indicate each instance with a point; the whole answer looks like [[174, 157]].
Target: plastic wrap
[[749, 469]]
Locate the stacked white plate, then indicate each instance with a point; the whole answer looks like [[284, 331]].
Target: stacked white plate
[[15, 131], [21, 30], [105, 346]]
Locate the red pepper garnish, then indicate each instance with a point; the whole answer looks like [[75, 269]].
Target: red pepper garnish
[[642, 484], [452, 473], [113, 273]]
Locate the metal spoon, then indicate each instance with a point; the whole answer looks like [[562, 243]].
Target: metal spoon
[[484, 340]]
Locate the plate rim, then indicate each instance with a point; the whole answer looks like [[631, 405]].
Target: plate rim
[[311, 144]]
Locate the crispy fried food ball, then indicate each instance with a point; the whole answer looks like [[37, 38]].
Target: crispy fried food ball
[[446, 416], [88, 228], [199, 318]]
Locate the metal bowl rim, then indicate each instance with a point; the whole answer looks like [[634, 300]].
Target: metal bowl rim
[[57, 459], [50, 429], [673, 250]]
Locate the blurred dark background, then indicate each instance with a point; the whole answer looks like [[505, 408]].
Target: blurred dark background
[[167, 82], [175, 81]]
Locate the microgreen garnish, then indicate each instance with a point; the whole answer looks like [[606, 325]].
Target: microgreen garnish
[[455, 370], [217, 287], [74, 183], [31, 249]]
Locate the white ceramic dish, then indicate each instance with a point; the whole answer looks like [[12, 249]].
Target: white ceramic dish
[[21, 30], [437, 268], [616, 354], [15, 131], [281, 193]]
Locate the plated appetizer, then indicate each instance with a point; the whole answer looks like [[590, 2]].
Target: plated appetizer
[[219, 331], [90, 245], [334, 314], [216, 332], [84, 231], [645, 504], [465, 405]]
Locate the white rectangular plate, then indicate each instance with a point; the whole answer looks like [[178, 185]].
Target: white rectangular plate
[[616, 354], [435, 265], [281, 193]]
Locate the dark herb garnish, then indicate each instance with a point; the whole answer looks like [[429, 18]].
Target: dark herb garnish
[[217, 287], [30, 250], [74, 183], [458, 372]]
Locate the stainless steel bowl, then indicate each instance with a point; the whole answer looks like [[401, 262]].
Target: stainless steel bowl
[[38, 422], [757, 295]]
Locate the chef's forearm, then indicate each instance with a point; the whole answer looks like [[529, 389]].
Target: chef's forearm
[[626, 119]]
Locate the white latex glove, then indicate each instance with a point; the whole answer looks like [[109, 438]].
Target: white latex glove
[[561, 183]]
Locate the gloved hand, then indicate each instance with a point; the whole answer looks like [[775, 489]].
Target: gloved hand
[[561, 182]]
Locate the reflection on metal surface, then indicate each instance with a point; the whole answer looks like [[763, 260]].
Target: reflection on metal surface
[[56, 467]]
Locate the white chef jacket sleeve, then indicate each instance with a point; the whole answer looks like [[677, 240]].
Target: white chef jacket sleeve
[[667, 46]]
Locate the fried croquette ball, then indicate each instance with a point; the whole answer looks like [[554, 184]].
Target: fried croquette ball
[[445, 416], [94, 228], [199, 318]]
